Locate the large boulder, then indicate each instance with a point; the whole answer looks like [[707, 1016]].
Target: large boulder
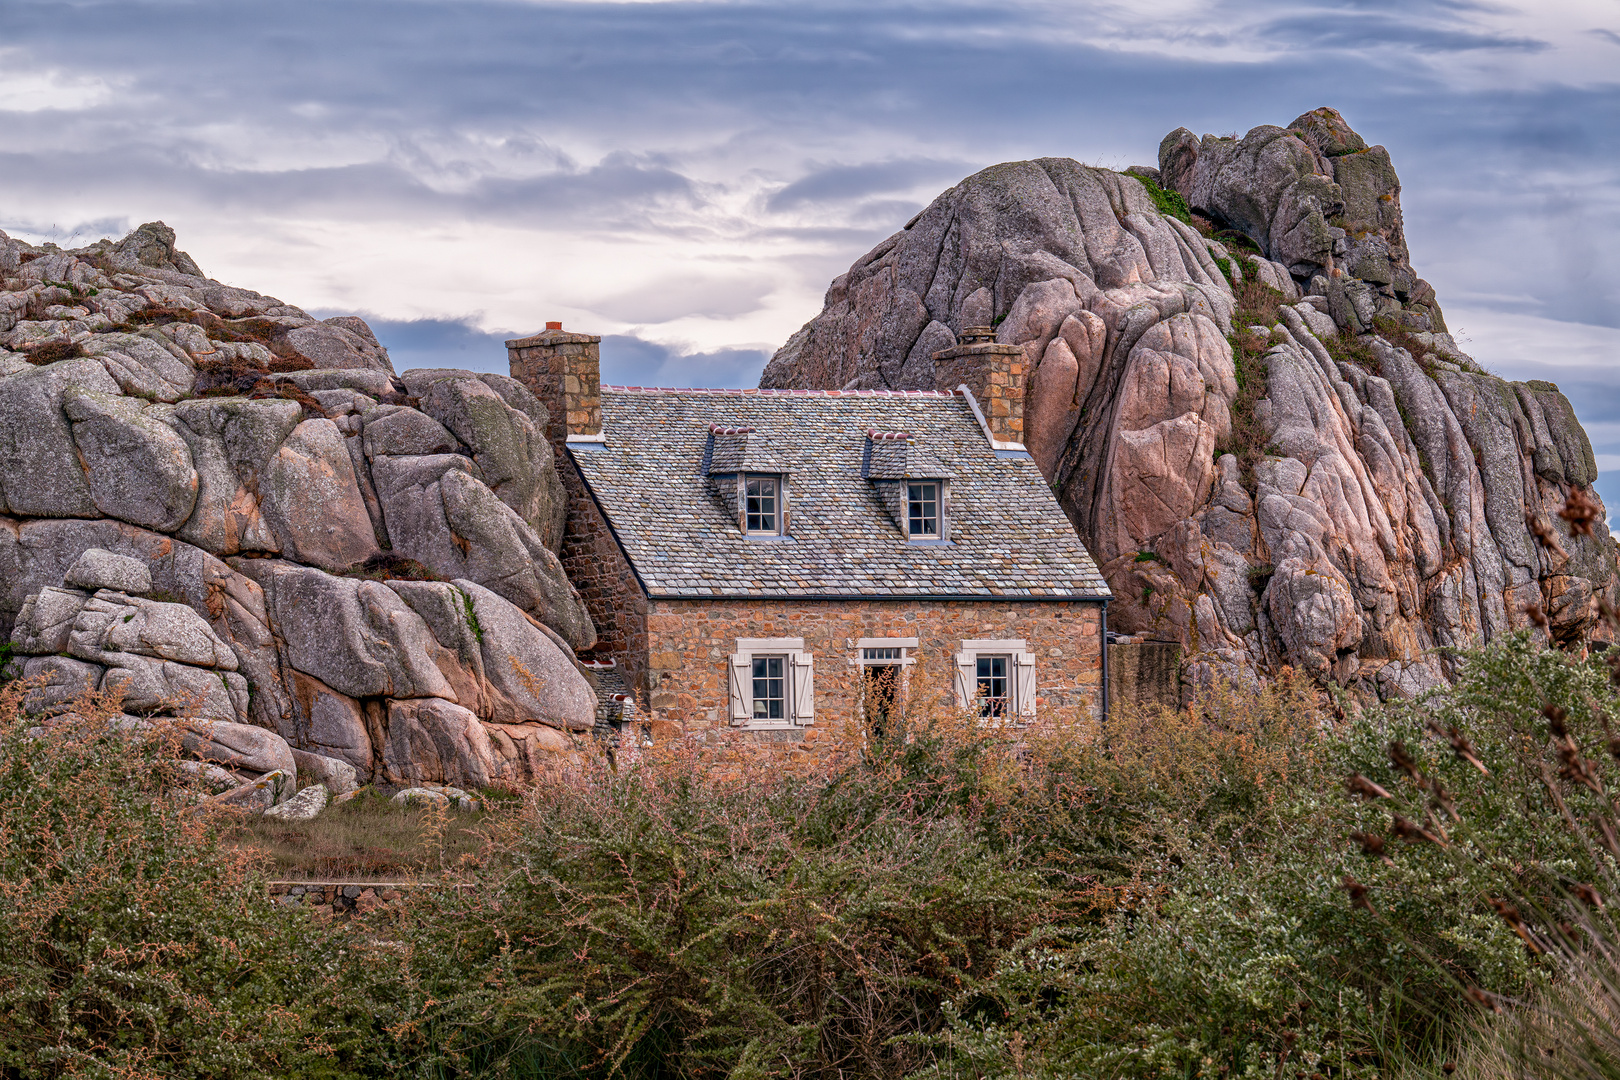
[[441, 513], [1349, 518], [430, 740], [138, 468], [58, 681], [506, 441], [239, 746], [304, 806], [336, 776], [356, 636], [330, 724], [530, 677], [232, 443], [98, 569], [312, 502], [40, 471], [343, 342]]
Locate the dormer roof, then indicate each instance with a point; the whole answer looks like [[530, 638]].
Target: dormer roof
[[896, 455], [1009, 538], [735, 448]]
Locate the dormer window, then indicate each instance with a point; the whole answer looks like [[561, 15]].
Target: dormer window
[[913, 485], [748, 478], [762, 497], [922, 510]]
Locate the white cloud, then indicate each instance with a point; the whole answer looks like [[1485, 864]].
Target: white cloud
[[27, 90], [1518, 346]]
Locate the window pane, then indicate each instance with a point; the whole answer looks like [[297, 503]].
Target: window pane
[[884, 653], [761, 504], [770, 688], [922, 503], [992, 680]]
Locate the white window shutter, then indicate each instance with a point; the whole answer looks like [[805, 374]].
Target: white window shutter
[[804, 687], [1025, 668], [741, 690], [967, 690]]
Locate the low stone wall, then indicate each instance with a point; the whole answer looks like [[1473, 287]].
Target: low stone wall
[[342, 897], [1144, 673]]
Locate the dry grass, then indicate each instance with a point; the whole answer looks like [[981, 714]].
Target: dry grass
[[1571, 1030], [367, 837]]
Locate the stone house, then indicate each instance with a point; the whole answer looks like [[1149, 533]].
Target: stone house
[[770, 560]]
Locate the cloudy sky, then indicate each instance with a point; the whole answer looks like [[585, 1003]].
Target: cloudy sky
[[686, 177]]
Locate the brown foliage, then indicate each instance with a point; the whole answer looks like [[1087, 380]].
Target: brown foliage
[[51, 352]]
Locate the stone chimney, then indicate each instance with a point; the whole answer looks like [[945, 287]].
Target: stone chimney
[[994, 374], [564, 372]]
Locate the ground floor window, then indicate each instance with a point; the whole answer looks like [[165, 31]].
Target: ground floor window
[[771, 683], [996, 679], [992, 693], [883, 663]]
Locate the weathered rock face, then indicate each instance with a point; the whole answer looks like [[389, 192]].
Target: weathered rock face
[[192, 481], [1390, 510]]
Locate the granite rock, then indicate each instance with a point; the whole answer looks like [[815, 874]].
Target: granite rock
[[1354, 519]]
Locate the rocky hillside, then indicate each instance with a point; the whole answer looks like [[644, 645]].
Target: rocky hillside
[[362, 562], [1247, 401]]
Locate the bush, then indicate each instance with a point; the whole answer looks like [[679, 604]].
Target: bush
[[1231, 946], [708, 913], [132, 943], [1178, 893]]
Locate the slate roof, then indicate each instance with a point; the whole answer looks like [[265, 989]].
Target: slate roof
[[1009, 538], [734, 450], [897, 456]]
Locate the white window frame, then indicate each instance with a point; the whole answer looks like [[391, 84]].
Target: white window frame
[[1020, 676], [938, 515], [942, 510], [798, 669], [781, 482], [904, 663]]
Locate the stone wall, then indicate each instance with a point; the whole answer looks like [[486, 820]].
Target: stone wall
[[689, 641], [1144, 673], [596, 565]]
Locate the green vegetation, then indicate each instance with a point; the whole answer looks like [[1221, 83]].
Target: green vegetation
[[472, 617], [1168, 203], [1190, 893], [78, 292], [133, 943], [1256, 306]]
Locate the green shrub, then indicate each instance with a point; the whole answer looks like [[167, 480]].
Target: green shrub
[[703, 914], [1232, 947], [1169, 203], [132, 943]]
